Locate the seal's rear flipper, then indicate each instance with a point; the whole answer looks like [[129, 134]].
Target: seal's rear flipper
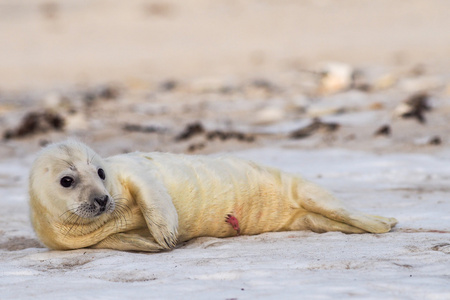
[[317, 200]]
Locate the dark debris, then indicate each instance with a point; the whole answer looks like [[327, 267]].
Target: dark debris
[[418, 104], [435, 140], [383, 130], [105, 92], [36, 122], [226, 135], [142, 128], [191, 130], [168, 85], [316, 125], [196, 147], [196, 128]]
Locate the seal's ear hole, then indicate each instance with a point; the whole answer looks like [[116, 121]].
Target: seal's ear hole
[[46, 170], [101, 174]]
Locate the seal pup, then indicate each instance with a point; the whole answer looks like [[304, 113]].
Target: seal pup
[[153, 201]]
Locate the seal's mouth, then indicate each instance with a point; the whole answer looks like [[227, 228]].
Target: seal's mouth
[[95, 209], [101, 211], [105, 209], [102, 205]]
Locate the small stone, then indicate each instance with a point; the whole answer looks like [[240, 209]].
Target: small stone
[[269, 115], [385, 82], [335, 77]]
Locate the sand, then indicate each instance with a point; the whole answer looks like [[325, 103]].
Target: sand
[[318, 88]]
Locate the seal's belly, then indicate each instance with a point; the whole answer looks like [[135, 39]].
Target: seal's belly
[[206, 190]]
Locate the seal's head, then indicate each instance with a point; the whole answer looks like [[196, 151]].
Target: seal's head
[[70, 179]]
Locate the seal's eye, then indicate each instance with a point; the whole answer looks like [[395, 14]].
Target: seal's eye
[[101, 174], [66, 181]]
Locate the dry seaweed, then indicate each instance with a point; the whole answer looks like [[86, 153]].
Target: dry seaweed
[[195, 147], [191, 130], [383, 130], [104, 92], [316, 125], [36, 122], [226, 135], [197, 128], [415, 107]]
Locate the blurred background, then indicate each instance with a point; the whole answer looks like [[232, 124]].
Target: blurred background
[[203, 76]]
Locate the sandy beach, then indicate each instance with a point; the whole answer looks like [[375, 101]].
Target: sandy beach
[[354, 95]]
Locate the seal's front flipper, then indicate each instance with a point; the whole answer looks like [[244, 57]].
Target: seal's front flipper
[[129, 242], [161, 216], [157, 208]]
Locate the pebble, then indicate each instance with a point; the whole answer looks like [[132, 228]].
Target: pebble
[[335, 77], [269, 115]]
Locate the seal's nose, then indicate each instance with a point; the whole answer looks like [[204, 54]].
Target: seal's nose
[[102, 201]]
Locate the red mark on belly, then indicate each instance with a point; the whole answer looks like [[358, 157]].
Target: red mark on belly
[[230, 219]]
